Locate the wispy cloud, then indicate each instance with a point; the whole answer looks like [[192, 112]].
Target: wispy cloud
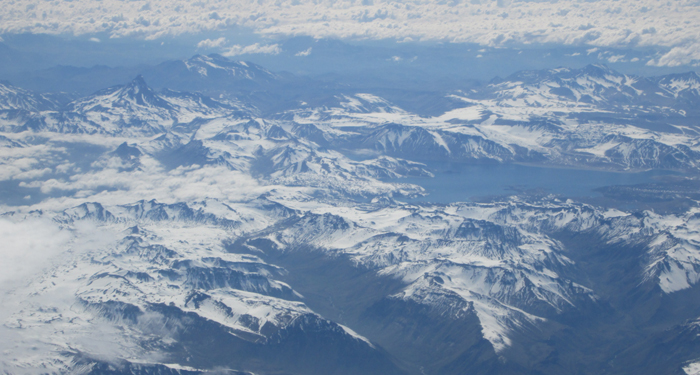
[[28, 247], [212, 43], [235, 50], [305, 52], [110, 186], [34, 248]]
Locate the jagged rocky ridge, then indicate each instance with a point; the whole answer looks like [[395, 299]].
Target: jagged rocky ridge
[[592, 117]]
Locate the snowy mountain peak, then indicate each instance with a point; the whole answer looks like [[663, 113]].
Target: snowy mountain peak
[[561, 73], [599, 70], [367, 103], [134, 94], [13, 98], [127, 152], [593, 84], [215, 65], [138, 83], [681, 84], [138, 92]]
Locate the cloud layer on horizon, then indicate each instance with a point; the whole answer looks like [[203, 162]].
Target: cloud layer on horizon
[[609, 23]]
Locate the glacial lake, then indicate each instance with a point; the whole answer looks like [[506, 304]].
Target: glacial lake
[[455, 182]]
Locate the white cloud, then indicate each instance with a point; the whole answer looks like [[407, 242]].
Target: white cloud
[[602, 23], [93, 39], [32, 250], [616, 58], [683, 55], [183, 184], [31, 245], [212, 43], [235, 50], [27, 248], [29, 162], [306, 52]]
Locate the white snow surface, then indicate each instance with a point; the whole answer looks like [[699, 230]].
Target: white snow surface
[[485, 260], [130, 258], [120, 222], [672, 242], [564, 140], [692, 368]]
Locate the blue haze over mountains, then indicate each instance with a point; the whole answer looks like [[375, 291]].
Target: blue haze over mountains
[[54, 63], [278, 214]]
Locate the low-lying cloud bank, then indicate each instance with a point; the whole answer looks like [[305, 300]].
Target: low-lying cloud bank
[[609, 23]]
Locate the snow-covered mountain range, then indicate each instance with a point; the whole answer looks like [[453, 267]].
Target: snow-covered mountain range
[[168, 232]]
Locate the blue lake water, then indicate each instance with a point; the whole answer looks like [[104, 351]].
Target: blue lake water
[[454, 182]]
